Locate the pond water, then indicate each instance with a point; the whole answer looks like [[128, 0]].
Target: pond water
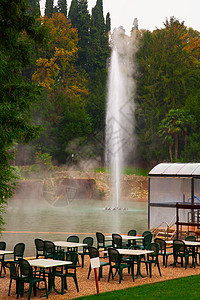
[[28, 219]]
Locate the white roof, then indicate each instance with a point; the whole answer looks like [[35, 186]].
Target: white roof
[[187, 169]]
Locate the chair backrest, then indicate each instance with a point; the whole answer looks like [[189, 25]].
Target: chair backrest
[[154, 247], [147, 239], [73, 238], [132, 232], [162, 245], [114, 256], [19, 249], [49, 248], [178, 247], [191, 238], [2, 245], [116, 240], [93, 252], [25, 268], [100, 239], [89, 241], [73, 257], [39, 244], [14, 269], [146, 233]]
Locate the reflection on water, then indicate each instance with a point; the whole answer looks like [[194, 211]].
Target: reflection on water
[[27, 220]]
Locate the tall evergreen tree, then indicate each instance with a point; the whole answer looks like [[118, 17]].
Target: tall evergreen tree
[[99, 46], [16, 94], [49, 8], [62, 7], [34, 6], [80, 18], [73, 13]]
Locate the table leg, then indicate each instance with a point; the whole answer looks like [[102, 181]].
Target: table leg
[[139, 268]]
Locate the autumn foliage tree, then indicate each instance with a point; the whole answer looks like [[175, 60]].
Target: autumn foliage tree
[[64, 85]]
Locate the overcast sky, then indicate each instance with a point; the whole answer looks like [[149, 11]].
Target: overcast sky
[[151, 14]]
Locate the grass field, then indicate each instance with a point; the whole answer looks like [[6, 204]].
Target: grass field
[[127, 171], [181, 288]]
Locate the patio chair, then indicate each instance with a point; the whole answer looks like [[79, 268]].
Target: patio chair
[[19, 249], [152, 258], [93, 253], [39, 245], [115, 262], [180, 251], [131, 232], [2, 247], [191, 249], [73, 239], [73, 257], [101, 242], [163, 250], [89, 241], [146, 240], [116, 241], [49, 249], [14, 274], [27, 275]]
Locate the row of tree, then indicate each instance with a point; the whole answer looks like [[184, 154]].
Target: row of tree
[[72, 69], [168, 93]]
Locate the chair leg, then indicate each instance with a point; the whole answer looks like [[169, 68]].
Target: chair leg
[[76, 283], [89, 272], [159, 268]]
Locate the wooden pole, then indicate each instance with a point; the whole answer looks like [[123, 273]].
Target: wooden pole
[[96, 279]]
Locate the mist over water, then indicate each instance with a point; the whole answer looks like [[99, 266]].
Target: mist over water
[[120, 108]]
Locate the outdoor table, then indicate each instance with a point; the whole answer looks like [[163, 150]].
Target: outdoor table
[[4, 252], [138, 254], [49, 263], [127, 237], [68, 244]]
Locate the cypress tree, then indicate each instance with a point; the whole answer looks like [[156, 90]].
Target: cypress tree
[[62, 7], [49, 8], [73, 13], [80, 18]]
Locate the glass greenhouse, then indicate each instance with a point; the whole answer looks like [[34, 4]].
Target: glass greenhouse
[[171, 183]]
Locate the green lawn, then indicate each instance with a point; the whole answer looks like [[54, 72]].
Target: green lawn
[[127, 171], [181, 288]]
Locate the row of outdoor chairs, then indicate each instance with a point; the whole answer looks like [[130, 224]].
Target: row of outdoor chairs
[[48, 249]]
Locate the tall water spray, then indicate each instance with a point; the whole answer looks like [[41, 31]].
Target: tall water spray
[[120, 109]]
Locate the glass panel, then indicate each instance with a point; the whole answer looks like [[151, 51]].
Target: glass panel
[[170, 190]]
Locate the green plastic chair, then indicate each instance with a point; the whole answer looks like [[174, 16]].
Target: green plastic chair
[[131, 232], [27, 275], [89, 241], [180, 251], [163, 250], [2, 247], [152, 258], [39, 247], [73, 239], [101, 241], [14, 274], [19, 249], [49, 249], [93, 253], [71, 269], [115, 262]]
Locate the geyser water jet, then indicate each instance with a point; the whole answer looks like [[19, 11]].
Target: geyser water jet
[[120, 109]]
